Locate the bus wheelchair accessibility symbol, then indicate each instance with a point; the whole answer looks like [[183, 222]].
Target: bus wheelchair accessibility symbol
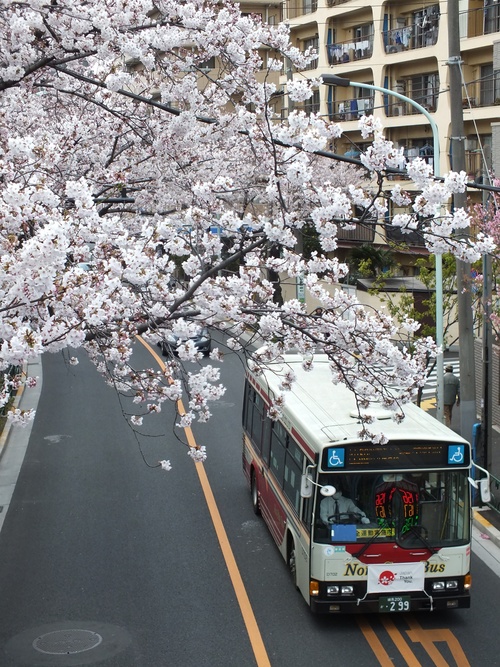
[[336, 457], [456, 454]]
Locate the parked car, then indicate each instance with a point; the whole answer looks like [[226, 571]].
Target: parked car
[[201, 339]]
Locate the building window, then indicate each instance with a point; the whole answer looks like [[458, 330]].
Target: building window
[[425, 90], [425, 27], [311, 43], [312, 104], [477, 154], [490, 85], [309, 6], [491, 16]]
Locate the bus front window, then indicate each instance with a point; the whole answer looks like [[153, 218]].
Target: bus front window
[[412, 508]]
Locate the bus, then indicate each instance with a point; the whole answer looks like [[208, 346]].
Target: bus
[[363, 527]]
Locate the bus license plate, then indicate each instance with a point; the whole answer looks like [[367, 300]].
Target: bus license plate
[[394, 603]]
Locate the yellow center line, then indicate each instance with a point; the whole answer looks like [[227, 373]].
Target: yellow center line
[[249, 619]]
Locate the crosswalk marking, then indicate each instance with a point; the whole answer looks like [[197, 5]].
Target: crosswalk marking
[[429, 390]]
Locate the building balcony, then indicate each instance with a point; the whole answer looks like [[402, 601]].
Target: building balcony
[[485, 92], [301, 7], [350, 109], [350, 50], [362, 234], [312, 65], [395, 235], [481, 21], [400, 108], [411, 37]]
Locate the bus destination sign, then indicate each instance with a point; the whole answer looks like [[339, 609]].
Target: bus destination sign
[[395, 455]]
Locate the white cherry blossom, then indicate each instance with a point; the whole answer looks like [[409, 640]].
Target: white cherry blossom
[[140, 196]]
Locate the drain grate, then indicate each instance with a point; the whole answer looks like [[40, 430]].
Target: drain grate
[[67, 642]]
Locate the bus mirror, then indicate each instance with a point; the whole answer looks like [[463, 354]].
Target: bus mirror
[[328, 490], [306, 486], [483, 484], [473, 482], [484, 488]]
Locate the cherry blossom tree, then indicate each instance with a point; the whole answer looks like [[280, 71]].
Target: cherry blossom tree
[[486, 217], [113, 176]]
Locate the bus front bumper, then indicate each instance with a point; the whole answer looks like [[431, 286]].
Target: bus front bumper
[[371, 604]]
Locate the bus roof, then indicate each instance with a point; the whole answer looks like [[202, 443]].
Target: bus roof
[[323, 413]]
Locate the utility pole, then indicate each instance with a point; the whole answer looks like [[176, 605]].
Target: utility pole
[[464, 295], [487, 402]]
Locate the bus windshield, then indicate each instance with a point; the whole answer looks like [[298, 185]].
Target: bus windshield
[[425, 508]]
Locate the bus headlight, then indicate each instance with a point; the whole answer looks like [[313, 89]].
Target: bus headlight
[[438, 585], [347, 590], [332, 590], [452, 584]]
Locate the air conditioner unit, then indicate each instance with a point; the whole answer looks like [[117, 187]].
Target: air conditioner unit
[[397, 110]]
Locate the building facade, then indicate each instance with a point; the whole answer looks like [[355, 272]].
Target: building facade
[[404, 47]]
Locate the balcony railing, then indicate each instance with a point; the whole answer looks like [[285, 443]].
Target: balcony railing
[[395, 235], [484, 93], [429, 101], [411, 37], [350, 109], [482, 21], [312, 65], [344, 52], [362, 234], [474, 164]]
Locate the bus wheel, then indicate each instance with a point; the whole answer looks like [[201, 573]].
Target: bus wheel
[[255, 495], [292, 562]]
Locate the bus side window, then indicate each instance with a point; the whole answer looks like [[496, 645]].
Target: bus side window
[[248, 406], [278, 451], [266, 438], [294, 460], [257, 420]]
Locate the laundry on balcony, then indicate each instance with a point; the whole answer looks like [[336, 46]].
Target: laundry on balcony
[[340, 53]]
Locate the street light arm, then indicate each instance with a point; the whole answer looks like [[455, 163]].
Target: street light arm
[[334, 80]]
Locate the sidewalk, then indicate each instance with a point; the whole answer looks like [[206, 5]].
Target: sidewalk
[[487, 521], [14, 440]]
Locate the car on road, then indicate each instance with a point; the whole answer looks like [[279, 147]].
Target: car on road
[[201, 338]]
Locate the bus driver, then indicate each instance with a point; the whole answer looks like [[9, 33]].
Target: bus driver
[[339, 509]]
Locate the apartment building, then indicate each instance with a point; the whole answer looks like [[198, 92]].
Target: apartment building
[[404, 47]]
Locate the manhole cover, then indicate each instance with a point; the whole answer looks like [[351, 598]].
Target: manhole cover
[[67, 642]]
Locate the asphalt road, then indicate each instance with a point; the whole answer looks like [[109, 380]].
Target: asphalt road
[[107, 561]]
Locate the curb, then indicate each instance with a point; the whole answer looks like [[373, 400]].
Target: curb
[[482, 524]]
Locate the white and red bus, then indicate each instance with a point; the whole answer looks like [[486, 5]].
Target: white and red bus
[[401, 538]]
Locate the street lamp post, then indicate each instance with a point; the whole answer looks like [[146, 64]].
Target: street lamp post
[[333, 80]]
